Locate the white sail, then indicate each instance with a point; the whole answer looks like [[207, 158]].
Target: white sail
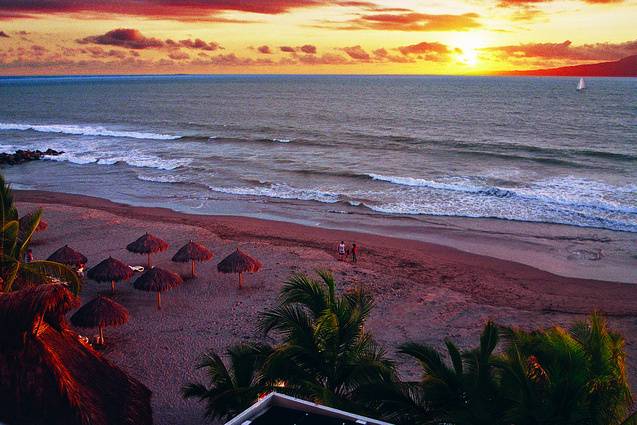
[[581, 85]]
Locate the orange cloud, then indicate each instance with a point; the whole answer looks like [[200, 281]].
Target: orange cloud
[[566, 50], [410, 21]]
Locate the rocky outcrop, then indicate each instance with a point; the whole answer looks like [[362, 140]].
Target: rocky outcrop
[[21, 156]]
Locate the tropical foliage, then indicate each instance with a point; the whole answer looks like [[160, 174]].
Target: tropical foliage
[[15, 239], [235, 387], [325, 354], [513, 377], [551, 376]]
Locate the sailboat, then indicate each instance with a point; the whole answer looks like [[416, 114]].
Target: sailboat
[[581, 85]]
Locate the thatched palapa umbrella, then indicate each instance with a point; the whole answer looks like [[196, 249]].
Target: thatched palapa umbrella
[[100, 312], [42, 225], [157, 280], [239, 262], [49, 376], [69, 256], [192, 252], [147, 244], [110, 270]]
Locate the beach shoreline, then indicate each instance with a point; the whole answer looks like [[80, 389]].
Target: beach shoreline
[[564, 250], [422, 291]]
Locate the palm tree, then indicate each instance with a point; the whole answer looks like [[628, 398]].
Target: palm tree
[[567, 377], [325, 354], [464, 391], [233, 388], [14, 271]]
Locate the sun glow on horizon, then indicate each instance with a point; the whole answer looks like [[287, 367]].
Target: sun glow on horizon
[[318, 36]]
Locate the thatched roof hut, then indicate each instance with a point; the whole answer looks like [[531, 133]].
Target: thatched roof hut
[[100, 312], [69, 256], [147, 244], [192, 252], [48, 376], [239, 262], [157, 280], [110, 270]]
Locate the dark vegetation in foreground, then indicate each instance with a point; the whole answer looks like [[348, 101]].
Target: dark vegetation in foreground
[[513, 377], [16, 272]]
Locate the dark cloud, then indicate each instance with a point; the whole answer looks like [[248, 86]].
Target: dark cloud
[[308, 48], [264, 50], [134, 39], [199, 44], [124, 37], [4, 34], [357, 52], [187, 10]]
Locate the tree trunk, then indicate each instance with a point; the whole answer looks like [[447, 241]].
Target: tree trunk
[[158, 300], [193, 269], [240, 280]]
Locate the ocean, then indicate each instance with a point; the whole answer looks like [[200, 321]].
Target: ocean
[[300, 148]]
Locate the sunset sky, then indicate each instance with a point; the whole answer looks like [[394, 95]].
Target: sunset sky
[[310, 36]]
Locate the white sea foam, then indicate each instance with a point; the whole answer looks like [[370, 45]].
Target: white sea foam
[[148, 161], [416, 182], [282, 140], [162, 178], [281, 191], [86, 130]]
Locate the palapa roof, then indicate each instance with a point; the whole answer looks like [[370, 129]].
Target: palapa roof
[[109, 270], [157, 280], [48, 376], [147, 244], [239, 262], [42, 225], [67, 255], [101, 311], [192, 251]]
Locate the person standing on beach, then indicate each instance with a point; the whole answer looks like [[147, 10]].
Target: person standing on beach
[[341, 251], [354, 253]]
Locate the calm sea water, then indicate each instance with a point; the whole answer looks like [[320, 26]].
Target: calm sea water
[[530, 149]]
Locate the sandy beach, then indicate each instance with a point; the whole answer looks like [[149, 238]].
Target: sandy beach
[[424, 291]]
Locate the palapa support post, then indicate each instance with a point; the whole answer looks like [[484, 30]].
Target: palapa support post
[[148, 261], [240, 280], [101, 335], [158, 300], [112, 286], [192, 269]]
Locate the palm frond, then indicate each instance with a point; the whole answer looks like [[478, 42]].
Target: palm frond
[[42, 271], [8, 211]]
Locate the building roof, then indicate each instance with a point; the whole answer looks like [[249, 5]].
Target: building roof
[[280, 409]]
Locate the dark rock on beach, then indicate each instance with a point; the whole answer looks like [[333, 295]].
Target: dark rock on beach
[[21, 156]]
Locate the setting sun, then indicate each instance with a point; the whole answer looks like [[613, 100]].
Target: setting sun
[[309, 37]]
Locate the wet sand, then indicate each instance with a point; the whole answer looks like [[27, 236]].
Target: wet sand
[[423, 291]]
